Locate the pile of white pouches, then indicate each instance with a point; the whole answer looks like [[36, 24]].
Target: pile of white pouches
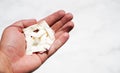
[[39, 37]]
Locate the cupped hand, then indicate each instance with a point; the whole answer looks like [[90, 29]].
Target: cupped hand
[[13, 43]]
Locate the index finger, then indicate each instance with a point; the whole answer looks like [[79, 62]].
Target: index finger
[[53, 18], [24, 23]]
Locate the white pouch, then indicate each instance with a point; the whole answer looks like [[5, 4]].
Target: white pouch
[[39, 37]]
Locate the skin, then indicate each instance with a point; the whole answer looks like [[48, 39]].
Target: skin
[[13, 43]]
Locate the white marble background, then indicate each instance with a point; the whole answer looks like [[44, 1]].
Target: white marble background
[[94, 45]]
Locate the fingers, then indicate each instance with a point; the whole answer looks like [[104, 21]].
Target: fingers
[[68, 17], [53, 18], [58, 43], [66, 28], [62, 35]]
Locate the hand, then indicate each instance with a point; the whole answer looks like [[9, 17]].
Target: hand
[[13, 43]]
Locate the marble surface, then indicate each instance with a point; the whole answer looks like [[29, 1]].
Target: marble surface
[[94, 45]]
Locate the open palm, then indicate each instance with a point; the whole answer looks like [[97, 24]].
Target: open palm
[[13, 41]]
